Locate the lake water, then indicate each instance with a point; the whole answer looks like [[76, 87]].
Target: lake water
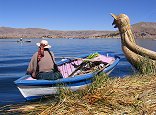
[[15, 56]]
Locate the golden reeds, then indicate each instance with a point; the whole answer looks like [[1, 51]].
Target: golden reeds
[[133, 95]]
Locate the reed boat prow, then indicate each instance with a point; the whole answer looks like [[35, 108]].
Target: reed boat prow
[[135, 54]]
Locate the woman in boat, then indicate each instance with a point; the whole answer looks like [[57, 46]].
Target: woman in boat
[[42, 64]]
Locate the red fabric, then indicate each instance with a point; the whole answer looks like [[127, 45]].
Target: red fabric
[[40, 52]]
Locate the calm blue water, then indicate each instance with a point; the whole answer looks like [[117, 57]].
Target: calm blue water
[[15, 56]]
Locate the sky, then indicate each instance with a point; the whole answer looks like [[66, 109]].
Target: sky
[[73, 14]]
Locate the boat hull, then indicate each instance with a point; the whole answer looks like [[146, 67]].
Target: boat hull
[[36, 92]]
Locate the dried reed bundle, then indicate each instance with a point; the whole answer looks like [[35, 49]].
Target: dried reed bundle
[[129, 95]]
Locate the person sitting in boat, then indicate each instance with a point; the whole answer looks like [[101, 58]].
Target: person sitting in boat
[[42, 64]]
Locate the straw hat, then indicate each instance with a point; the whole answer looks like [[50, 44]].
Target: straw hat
[[45, 42]]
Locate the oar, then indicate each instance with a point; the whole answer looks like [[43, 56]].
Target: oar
[[83, 64], [78, 68], [108, 64]]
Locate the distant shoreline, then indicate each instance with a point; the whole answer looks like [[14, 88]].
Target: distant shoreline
[[76, 38], [60, 38], [144, 30]]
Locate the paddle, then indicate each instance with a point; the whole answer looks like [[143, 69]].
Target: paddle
[[83, 64], [108, 64], [78, 68]]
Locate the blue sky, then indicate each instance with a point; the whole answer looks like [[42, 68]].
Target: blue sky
[[73, 14]]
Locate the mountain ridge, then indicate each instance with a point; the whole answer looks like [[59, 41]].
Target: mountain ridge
[[141, 30]]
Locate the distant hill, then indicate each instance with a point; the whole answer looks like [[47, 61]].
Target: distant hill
[[140, 30], [144, 30], [6, 32]]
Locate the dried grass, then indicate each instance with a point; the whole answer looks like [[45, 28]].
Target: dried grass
[[133, 95]]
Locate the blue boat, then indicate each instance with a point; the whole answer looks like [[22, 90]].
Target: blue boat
[[77, 73]]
